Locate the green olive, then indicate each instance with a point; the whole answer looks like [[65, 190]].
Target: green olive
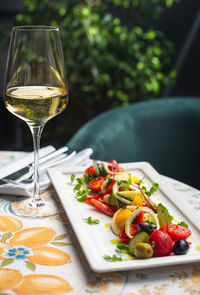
[[143, 250]]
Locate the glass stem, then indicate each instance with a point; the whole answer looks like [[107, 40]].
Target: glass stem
[[36, 134]]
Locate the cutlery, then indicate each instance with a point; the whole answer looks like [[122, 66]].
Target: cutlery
[[19, 173], [28, 177]]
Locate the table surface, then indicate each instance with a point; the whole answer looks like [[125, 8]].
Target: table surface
[[51, 261]]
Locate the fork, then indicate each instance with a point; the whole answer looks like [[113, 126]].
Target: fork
[[28, 177]]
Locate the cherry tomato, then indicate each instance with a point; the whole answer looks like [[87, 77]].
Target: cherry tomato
[[102, 207], [113, 166], [123, 236], [139, 218], [178, 232], [96, 183], [90, 170], [163, 243]]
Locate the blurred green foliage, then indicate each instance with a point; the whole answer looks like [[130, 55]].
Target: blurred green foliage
[[111, 58]]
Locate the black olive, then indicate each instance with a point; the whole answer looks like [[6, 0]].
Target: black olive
[[181, 247], [146, 227]]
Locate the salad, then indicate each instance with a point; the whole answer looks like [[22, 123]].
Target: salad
[[144, 229]]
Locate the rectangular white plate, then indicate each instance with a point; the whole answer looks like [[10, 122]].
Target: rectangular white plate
[[97, 240]]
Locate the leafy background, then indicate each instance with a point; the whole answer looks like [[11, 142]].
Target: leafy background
[[113, 56]]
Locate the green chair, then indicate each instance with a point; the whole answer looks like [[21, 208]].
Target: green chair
[[164, 132]]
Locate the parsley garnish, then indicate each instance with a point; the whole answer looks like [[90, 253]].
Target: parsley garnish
[[73, 176], [89, 220], [153, 244], [183, 223], [88, 177], [81, 195], [124, 184], [152, 190], [122, 248], [79, 184], [113, 258]]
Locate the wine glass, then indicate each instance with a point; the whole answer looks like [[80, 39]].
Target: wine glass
[[35, 91]]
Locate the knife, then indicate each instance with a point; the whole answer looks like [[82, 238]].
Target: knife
[[20, 172]]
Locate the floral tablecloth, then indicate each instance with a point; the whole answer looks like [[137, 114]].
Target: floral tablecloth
[[43, 256]]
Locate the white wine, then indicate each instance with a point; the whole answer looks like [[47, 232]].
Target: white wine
[[36, 104]]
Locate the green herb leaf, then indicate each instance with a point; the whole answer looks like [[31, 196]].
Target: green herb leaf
[[153, 244], [81, 195], [89, 220], [152, 190], [183, 223], [77, 187], [73, 176], [30, 265], [113, 258], [124, 182], [121, 246], [7, 262]]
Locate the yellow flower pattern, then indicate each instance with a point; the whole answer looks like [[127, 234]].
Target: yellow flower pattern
[[29, 244], [39, 258]]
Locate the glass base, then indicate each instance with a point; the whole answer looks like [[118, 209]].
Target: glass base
[[25, 208]]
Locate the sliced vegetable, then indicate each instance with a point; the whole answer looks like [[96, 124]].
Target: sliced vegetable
[[138, 201], [119, 219], [135, 214], [96, 183], [113, 166], [102, 170], [141, 237], [123, 236], [112, 200], [163, 214], [140, 217], [102, 207], [123, 200], [130, 194], [109, 188], [91, 170], [148, 201], [122, 216], [178, 232]]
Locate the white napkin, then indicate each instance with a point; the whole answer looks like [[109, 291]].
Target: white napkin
[[26, 190]]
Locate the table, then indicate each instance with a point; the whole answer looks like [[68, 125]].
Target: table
[[58, 265]]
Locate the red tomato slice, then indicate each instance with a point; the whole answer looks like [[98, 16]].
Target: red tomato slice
[[109, 189], [123, 236], [124, 239], [93, 197], [113, 166], [96, 183], [102, 207], [90, 170], [178, 232]]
